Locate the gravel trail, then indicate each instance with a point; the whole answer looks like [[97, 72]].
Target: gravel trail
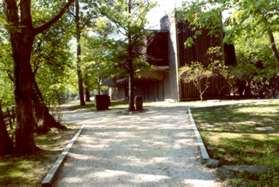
[[153, 148]]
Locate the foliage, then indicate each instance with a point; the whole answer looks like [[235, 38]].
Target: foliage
[[129, 17], [97, 62], [219, 68], [256, 55], [197, 73], [52, 63], [126, 23], [255, 64], [253, 17], [200, 15], [256, 21], [252, 26], [6, 91]]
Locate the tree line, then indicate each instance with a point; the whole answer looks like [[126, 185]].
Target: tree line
[[37, 70]]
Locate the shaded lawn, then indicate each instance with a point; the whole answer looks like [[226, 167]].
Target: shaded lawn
[[30, 169], [234, 135]]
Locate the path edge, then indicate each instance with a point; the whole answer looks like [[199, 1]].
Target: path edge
[[52, 172], [202, 149]]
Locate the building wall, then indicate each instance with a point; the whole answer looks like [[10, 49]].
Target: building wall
[[198, 53], [150, 90], [217, 89], [171, 88], [171, 83], [118, 93]]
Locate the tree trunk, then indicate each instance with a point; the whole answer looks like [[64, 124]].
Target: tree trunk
[[274, 48], [19, 18], [79, 73], [99, 86], [87, 94], [42, 112], [22, 48], [201, 92], [87, 91], [272, 41], [201, 96], [6, 143], [130, 67], [131, 91]]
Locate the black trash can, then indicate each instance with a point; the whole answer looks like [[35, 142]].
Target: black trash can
[[102, 102]]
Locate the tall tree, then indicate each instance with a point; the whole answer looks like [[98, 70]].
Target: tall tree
[[97, 58], [131, 70], [22, 34], [130, 18], [79, 73], [251, 15], [84, 15], [50, 54]]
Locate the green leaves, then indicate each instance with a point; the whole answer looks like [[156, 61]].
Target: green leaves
[[6, 84], [128, 20], [97, 58], [201, 14], [198, 74], [196, 71]]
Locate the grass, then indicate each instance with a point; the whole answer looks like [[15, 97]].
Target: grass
[[29, 170], [233, 134]]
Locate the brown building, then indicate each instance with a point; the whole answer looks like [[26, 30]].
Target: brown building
[[166, 52]]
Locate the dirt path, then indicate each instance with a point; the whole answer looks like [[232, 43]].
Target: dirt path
[[154, 148]]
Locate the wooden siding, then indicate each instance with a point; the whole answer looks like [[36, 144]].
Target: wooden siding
[[198, 52], [218, 89], [150, 90]]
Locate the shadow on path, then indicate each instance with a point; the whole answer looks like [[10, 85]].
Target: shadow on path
[[154, 148]]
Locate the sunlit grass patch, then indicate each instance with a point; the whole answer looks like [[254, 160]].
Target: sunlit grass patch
[[30, 169], [243, 134]]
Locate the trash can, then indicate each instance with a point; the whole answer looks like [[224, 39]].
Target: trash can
[[102, 102], [138, 100]]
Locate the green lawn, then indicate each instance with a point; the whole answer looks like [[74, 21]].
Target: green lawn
[[29, 170], [243, 134]]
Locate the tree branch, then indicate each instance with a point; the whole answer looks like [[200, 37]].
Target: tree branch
[[71, 13], [11, 12], [10, 76], [48, 24], [25, 13], [275, 51]]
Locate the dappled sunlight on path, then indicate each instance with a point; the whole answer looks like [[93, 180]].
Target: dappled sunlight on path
[[154, 148]]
